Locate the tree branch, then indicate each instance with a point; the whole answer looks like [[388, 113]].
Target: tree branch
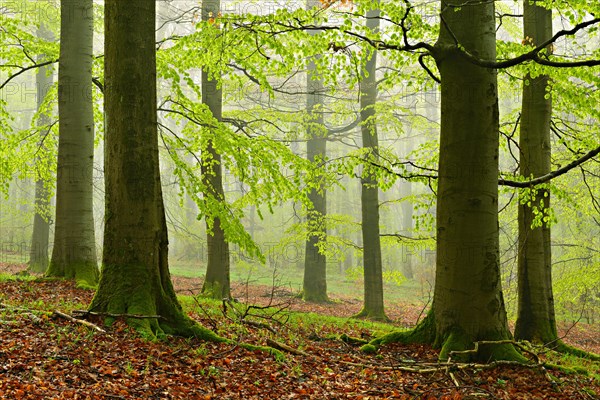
[[25, 69], [551, 175]]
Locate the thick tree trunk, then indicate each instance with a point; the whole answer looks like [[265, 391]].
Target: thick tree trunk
[[38, 251], [74, 251], [535, 321], [135, 274], [216, 283], [468, 304], [373, 267], [315, 262]]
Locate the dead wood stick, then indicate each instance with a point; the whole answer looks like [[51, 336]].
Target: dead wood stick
[[392, 368], [435, 367], [78, 321], [259, 325], [284, 347]]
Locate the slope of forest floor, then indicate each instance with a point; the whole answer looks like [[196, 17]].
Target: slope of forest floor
[[44, 357]]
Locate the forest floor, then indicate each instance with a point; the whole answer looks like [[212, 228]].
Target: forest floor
[[44, 357]]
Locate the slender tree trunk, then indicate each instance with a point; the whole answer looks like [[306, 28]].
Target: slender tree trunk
[[406, 208], [373, 267], [468, 304], [535, 321], [135, 275], [38, 251], [315, 262], [74, 251], [216, 283]]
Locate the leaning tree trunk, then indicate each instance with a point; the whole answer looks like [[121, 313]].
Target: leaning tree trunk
[[535, 320], [216, 283], [373, 267], [74, 251], [135, 275], [314, 288], [38, 251], [468, 304]]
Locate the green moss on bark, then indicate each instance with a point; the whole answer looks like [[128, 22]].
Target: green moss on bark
[[214, 290], [454, 340], [84, 273], [461, 342], [122, 293], [315, 297], [37, 267], [366, 314], [424, 332]]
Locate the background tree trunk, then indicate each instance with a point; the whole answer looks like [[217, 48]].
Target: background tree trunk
[[468, 303], [38, 251], [135, 273], [407, 208], [315, 262], [535, 320], [74, 251], [217, 280], [373, 267]]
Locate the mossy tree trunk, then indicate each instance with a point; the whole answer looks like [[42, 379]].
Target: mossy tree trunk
[[38, 251], [535, 320], [314, 288], [217, 280], [373, 267], [74, 251], [135, 274], [468, 304]]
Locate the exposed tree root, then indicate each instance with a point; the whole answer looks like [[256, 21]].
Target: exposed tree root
[[452, 343]]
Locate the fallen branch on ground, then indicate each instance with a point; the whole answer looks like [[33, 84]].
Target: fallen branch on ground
[[284, 347], [78, 321], [259, 325]]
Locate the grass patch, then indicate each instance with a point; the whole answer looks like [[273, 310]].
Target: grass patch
[[7, 277], [577, 364], [410, 291]]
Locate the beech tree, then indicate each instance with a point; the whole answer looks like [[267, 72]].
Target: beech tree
[[74, 251], [314, 287], [468, 305], [216, 282], [536, 321], [38, 251], [135, 275], [373, 268]]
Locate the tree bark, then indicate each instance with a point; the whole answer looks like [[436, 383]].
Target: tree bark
[[406, 208], [373, 267], [314, 287], [38, 251], [535, 320], [74, 251], [217, 281], [468, 304], [135, 275]]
